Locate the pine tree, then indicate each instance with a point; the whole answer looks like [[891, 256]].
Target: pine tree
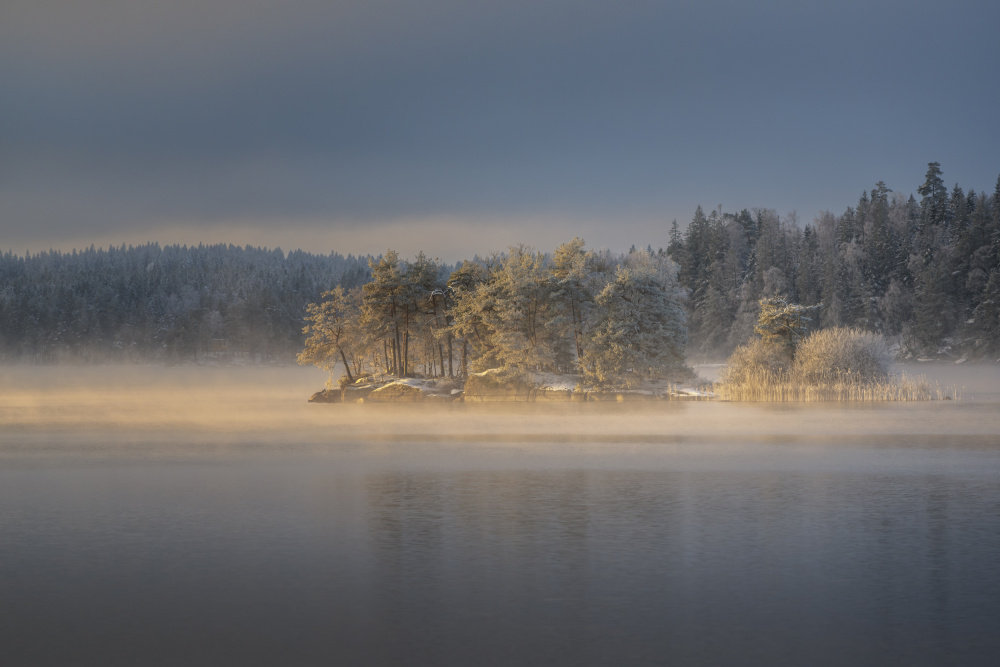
[[933, 210], [468, 323], [807, 284], [639, 330], [986, 319], [332, 331], [382, 309], [878, 244], [784, 324], [695, 259], [573, 298], [676, 246]]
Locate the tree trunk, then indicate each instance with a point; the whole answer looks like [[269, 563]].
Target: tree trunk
[[577, 330], [347, 366], [404, 351], [450, 374], [396, 352]]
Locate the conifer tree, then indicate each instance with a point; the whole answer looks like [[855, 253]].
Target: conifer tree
[[573, 297], [784, 324], [331, 331], [639, 330], [933, 210], [382, 309]]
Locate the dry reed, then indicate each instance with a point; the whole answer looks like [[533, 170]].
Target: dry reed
[[839, 364], [847, 386]]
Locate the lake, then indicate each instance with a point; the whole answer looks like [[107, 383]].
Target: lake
[[206, 516]]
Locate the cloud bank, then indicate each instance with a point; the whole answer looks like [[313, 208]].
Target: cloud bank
[[361, 124]]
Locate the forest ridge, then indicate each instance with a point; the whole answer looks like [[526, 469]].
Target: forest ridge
[[924, 272]]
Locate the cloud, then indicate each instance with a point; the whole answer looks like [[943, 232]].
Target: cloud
[[119, 116]]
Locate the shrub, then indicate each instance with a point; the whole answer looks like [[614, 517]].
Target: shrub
[[842, 354], [829, 365], [757, 363]]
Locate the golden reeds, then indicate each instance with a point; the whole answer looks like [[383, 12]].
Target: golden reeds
[[839, 364], [764, 385]]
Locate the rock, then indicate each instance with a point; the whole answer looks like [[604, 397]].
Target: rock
[[490, 387], [406, 390], [396, 392], [494, 386], [352, 393], [326, 396]]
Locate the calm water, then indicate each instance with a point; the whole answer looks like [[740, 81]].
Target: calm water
[[209, 516]]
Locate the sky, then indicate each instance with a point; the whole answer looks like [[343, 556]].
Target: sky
[[463, 127]]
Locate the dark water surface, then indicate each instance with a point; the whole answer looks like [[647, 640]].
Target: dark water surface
[[695, 534]]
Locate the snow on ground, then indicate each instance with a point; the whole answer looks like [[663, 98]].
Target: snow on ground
[[692, 392], [416, 383], [554, 382]]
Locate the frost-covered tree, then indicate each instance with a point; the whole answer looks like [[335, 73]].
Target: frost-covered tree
[[332, 331], [467, 323], [519, 313], [399, 303], [578, 277], [639, 330], [784, 324], [382, 309]]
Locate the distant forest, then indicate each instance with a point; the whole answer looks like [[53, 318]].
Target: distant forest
[[173, 304], [926, 273]]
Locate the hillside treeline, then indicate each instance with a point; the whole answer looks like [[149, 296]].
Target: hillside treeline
[[925, 273], [169, 304], [616, 319]]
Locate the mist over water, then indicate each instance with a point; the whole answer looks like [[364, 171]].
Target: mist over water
[[211, 515]]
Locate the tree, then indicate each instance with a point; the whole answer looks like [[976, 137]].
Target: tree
[[807, 283], [986, 318], [573, 294], [784, 324], [467, 320], [330, 322], [381, 309], [675, 247], [640, 328], [518, 320], [420, 285], [933, 209], [878, 250]]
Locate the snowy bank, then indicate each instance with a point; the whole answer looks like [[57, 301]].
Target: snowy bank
[[497, 386]]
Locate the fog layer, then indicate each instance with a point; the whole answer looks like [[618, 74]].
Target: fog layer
[[49, 408]]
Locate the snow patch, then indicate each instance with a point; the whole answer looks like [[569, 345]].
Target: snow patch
[[551, 381]]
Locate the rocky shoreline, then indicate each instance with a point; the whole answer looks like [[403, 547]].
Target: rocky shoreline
[[492, 387]]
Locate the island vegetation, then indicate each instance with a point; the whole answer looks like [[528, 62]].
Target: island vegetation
[[507, 325], [787, 362]]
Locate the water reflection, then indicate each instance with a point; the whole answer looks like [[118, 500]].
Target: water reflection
[[699, 534]]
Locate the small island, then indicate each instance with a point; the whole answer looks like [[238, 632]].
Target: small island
[[517, 326], [573, 325]]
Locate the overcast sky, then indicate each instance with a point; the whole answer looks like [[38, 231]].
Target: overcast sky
[[465, 126]]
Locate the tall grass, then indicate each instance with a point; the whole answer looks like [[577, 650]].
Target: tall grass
[[767, 386], [830, 365]]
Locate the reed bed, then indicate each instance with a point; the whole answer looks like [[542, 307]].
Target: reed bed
[[838, 364], [767, 386]]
